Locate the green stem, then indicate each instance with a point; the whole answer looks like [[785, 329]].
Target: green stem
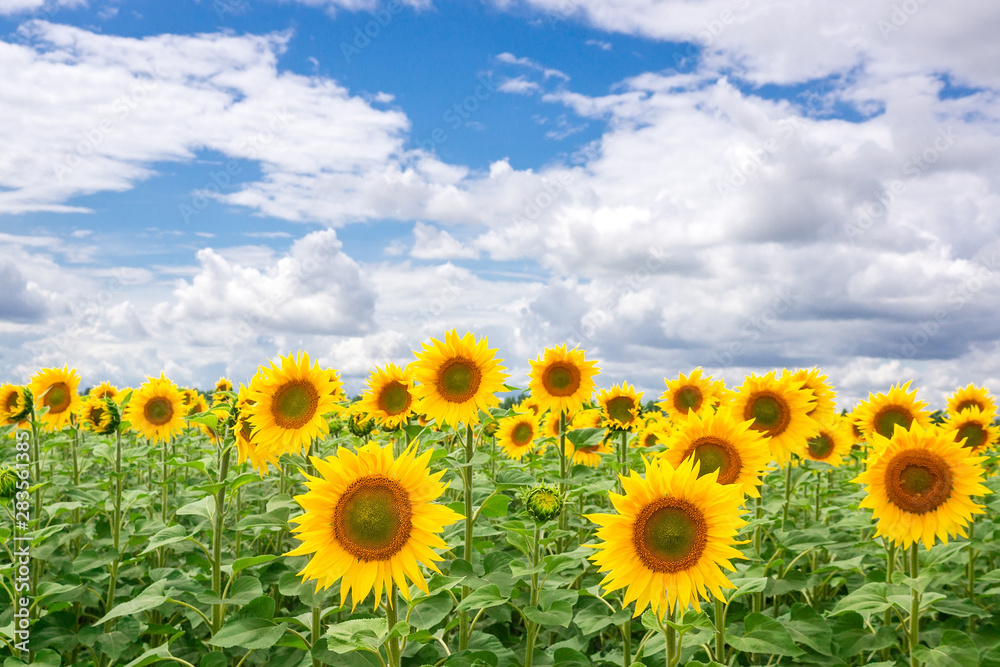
[[218, 526], [720, 631], [627, 643], [391, 618], [890, 568], [622, 461], [758, 535], [316, 631], [116, 527], [914, 608], [818, 501], [673, 651], [788, 494], [972, 565], [463, 635], [563, 470], [163, 482], [531, 629]]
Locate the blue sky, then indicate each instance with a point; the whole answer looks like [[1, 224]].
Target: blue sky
[[734, 185]]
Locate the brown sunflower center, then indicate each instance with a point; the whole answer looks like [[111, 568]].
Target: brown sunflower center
[[821, 446], [96, 415], [588, 449], [687, 398], [769, 413], [58, 397], [620, 408], [970, 403], [158, 410], [246, 430], [12, 401], [373, 519], [858, 435], [522, 434], [294, 404], [716, 454], [458, 381], [670, 535], [918, 481], [887, 418], [394, 398], [561, 379], [974, 434], [650, 440]]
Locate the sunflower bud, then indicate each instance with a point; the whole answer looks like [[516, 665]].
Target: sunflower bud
[[8, 483], [543, 502], [17, 403], [490, 428], [360, 424]]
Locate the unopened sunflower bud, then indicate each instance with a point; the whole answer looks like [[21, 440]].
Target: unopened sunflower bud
[[543, 502], [8, 483], [360, 424], [490, 428]]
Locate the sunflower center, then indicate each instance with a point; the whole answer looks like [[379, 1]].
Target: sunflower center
[[620, 409], [821, 446], [373, 519], [974, 434], [96, 415], [918, 481], [588, 449], [158, 410], [687, 398], [970, 403], [561, 379], [58, 397], [294, 404], [670, 535], [246, 430], [887, 418], [769, 413], [458, 380], [715, 454], [394, 398], [650, 440], [11, 401], [522, 434]]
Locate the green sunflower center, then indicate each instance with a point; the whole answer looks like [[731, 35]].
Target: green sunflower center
[[561, 379], [394, 398], [670, 535], [974, 434], [373, 518], [650, 440], [158, 410], [716, 454], [12, 401], [522, 434], [294, 404], [687, 398], [887, 418], [769, 413], [918, 481], [821, 446], [458, 381], [58, 397], [620, 409], [970, 403]]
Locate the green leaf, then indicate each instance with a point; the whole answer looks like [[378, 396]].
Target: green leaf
[[764, 635], [357, 634], [149, 599], [482, 598], [250, 633], [161, 652], [428, 612], [242, 591], [597, 617], [955, 650], [560, 613], [512, 477], [871, 598], [585, 437], [748, 586], [569, 656], [214, 659], [241, 564], [169, 535], [810, 629], [495, 506], [113, 644], [277, 518], [204, 507]]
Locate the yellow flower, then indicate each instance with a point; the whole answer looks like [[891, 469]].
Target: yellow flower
[[389, 399], [691, 393], [834, 441], [458, 377], [721, 444], [104, 390], [370, 520], [56, 389], [972, 429], [246, 448], [673, 533], [824, 407], [654, 430], [779, 408], [156, 410], [590, 418], [15, 404], [517, 435], [882, 412], [588, 455], [529, 404], [562, 380], [920, 485], [99, 415], [620, 406], [972, 397]]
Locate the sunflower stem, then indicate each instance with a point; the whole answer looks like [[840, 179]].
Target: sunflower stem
[[218, 525], [622, 461], [890, 567], [788, 494], [531, 628], [972, 565], [463, 636], [818, 497], [758, 598], [720, 632], [391, 619], [163, 483], [670, 635], [914, 607], [36, 455], [116, 527], [562, 471]]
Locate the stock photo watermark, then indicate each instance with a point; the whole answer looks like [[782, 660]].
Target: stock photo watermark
[[456, 115], [753, 160], [363, 35], [754, 328], [21, 555]]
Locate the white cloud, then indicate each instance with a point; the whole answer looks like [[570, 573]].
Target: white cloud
[[519, 86], [547, 72], [429, 242], [24, 6]]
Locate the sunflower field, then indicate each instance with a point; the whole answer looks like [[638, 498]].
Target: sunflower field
[[431, 522]]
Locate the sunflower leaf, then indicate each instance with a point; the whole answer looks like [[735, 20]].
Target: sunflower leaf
[[250, 633], [482, 598], [169, 535]]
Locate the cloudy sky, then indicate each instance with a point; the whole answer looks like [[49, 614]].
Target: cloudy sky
[[198, 186]]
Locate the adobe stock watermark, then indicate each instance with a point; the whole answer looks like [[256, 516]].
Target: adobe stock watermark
[[91, 140], [900, 15], [460, 112], [753, 160], [219, 180], [928, 329], [751, 331], [714, 26], [363, 35], [876, 208], [231, 7], [92, 309], [21, 556]]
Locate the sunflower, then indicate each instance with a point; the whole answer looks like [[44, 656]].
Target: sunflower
[[588, 455], [920, 485], [458, 378], [104, 390], [224, 384], [834, 440], [99, 415], [620, 407], [589, 418], [289, 404], [246, 448], [529, 404], [562, 380], [779, 408], [972, 397], [822, 392], [972, 428], [517, 435], [691, 393], [673, 531], [15, 404], [338, 393], [196, 404], [718, 442], [55, 388], [654, 430], [369, 520], [389, 399], [881, 412], [156, 410]]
